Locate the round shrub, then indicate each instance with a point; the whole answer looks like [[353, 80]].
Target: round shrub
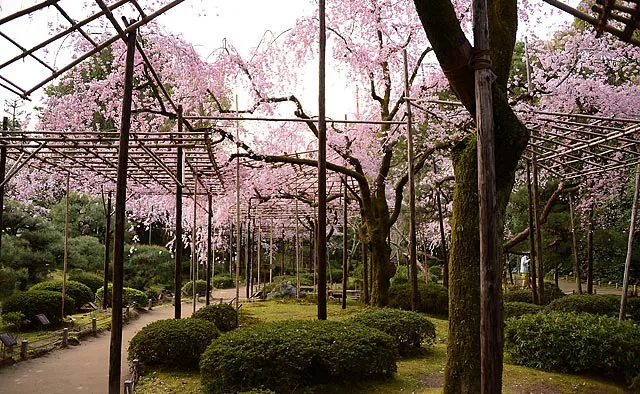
[[76, 290], [517, 296], [436, 272], [517, 309], [130, 297], [408, 329], [201, 287], [224, 316], [633, 308], [570, 342], [552, 292], [89, 279], [172, 344], [33, 302], [434, 298], [283, 355], [222, 282], [587, 303]]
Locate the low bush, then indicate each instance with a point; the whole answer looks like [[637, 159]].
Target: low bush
[[201, 287], [80, 293], [336, 275], [551, 292], [633, 308], [570, 342], [222, 282], [517, 309], [89, 279], [434, 298], [436, 272], [33, 302], [130, 297], [224, 316], [259, 391], [305, 279], [517, 296], [408, 329], [172, 344], [587, 303], [283, 355]]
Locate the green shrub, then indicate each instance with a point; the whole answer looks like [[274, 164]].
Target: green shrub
[[587, 303], [408, 329], [436, 272], [305, 279], [76, 290], [551, 292], [13, 321], [283, 355], [434, 298], [130, 297], [224, 316], [201, 287], [33, 302], [258, 391], [569, 342], [633, 308], [336, 275], [172, 344], [222, 282], [89, 279], [517, 296], [517, 309]]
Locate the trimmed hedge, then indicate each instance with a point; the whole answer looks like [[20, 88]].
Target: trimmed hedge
[[89, 279], [129, 296], [80, 293], [551, 293], [570, 342], [201, 287], [434, 298], [222, 282], [606, 305], [517, 296], [408, 329], [517, 309], [172, 344], [33, 302], [224, 316], [284, 355]]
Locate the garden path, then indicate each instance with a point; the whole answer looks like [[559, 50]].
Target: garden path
[[84, 368]]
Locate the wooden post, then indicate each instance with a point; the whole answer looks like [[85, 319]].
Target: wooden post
[[65, 263], [365, 273], [115, 351], [24, 346], [576, 266], [107, 241], [210, 259], [65, 337], [490, 265], [259, 251], [627, 262], [532, 248], [247, 269], [177, 275], [238, 224], [283, 247], [413, 266], [94, 326], [590, 252], [443, 240], [271, 253], [345, 251], [194, 251], [322, 170], [297, 251], [537, 211], [3, 169]]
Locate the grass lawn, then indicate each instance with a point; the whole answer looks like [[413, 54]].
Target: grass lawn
[[419, 375]]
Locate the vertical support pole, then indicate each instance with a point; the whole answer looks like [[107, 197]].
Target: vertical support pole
[[107, 248], [230, 249], [23, 349], [3, 170], [259, 251], [210, 259], [237, 208], [271, 253], [65, 337], [532, 244], [194, 244], [283, 248], [247, 252], [443, 240], [490, 265], [345, 251], [115, 351], [65, 263], [322, 169], [413, 266], [590, 252], [297, 250], [365, 272], [177, 274], [94, 326], [627, 262], [536, 209], [576, 266], [252, 244]]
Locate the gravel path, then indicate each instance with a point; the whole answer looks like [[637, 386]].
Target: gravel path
[[84, 368]]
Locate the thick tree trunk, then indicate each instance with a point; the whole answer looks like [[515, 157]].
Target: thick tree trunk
[[376, 220]]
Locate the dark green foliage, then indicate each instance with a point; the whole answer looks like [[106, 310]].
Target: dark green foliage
[[224, 316], [517, 296], [201, 287], [586, 303], [147, 265], [517, 309], [76, 290], [129, 296], [258, 391], [551, 292], [172, 344], [31, 303], [284, 355], [569, 342], [222, 282], [10, 279], [86, 253], [436, 272], [91, 280], [409, 330], [336, 275], [434, 298], [305, 279], [633, 308]]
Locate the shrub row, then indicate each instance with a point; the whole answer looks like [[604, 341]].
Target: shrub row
[[517, 309], [33, 302], [551, 292], [80, 293], [434, 298], [89, 279], [129, 296], [283, 355]]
